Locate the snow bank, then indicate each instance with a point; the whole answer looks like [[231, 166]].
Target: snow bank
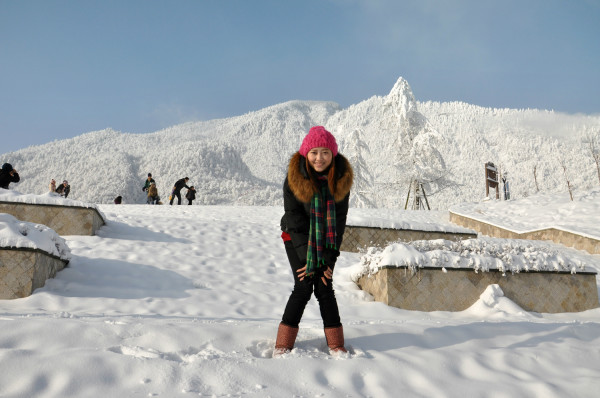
[[432, 221], [22, 234], [49, 198], [492, 304], [481, 254], [580, 216]]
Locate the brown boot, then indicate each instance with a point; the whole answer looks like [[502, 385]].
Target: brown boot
[[335, 339], [286, 337]]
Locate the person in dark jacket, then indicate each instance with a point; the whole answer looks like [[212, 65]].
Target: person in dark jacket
[[63, 189], [179, 185], [147, 183], [8, 175], [190, 195], [316, 195]]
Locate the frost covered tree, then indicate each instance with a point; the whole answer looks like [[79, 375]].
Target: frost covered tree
[[363, 179], [591, 138], [427, 168]]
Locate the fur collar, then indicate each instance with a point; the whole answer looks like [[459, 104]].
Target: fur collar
[[340, 178]]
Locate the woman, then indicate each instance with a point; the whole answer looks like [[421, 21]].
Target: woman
[[316, 192]]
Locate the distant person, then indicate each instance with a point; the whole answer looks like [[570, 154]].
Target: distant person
[[63, 189], [8, 175], [191, 195], [152, 194], [147, 183], [118, 200], [52, 186], [179, 185], [505, 187]]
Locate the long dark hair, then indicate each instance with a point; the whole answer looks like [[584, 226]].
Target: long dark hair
[[312, 174]]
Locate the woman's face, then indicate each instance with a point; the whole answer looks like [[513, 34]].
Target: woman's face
[[319, 158]]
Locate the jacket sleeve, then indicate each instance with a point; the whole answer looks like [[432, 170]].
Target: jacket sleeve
[[16, 178], [341, 213], [295, 222]]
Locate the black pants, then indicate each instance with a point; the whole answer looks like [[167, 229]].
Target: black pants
[[302, 293], [178, 194]]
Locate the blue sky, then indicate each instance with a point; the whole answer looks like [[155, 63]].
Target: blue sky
[[71, 67]]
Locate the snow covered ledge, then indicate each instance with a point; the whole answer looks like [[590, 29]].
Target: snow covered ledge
[[380, 227], [29, 254], [452, 276], [556, 234], [573, 222], [65, 216]]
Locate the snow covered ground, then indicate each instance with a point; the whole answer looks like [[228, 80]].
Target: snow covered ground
[[581, 215], [183, 301]]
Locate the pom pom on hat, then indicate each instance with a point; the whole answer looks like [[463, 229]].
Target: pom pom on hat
[[318, 137]]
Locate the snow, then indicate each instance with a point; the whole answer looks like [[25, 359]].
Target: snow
[[48, 198], [580, 216], [432, 221], [481, 254], [25, 235], [182, 301]]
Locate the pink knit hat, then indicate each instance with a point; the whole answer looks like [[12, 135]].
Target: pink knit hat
[[318, 137]]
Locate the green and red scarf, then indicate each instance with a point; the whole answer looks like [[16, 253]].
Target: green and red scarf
[[321, 233]]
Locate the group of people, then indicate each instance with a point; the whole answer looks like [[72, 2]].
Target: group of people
[[152, 191], [8, 174], [316, 193], [63, 189]]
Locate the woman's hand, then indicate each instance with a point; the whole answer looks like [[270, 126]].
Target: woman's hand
[[327, 274], [301, 273]]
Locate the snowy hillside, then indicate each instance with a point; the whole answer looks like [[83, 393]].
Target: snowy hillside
[[390, 140]]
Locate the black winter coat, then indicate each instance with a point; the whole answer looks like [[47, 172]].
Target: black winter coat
[[297, 194], [6, 178], [180, 184], [190, 195], [63, 190]]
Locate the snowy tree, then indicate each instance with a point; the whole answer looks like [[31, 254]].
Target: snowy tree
[[363, 179], [591, 138], [427, 166]]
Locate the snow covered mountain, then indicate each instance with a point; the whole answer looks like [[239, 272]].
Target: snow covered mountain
[[391, 139]]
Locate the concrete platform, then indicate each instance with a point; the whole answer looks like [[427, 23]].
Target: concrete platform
[[65, 220], [567, 238], [436, 289], [357, 238], [24, 270]]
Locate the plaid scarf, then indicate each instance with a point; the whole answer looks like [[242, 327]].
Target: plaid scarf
[[322, 227]]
